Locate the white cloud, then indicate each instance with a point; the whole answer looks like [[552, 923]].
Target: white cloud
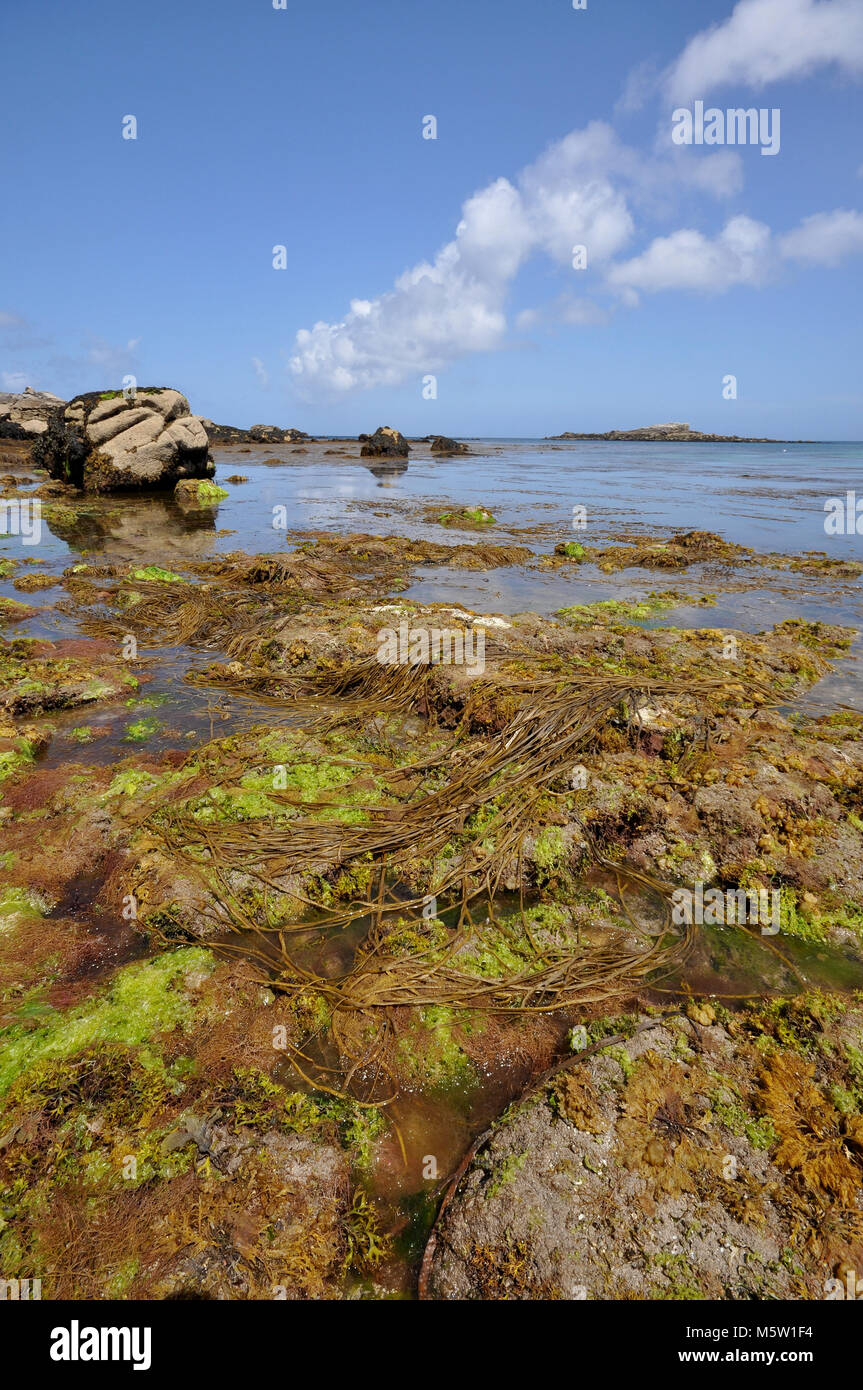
[[441, 309], [767, 41], [639, 86], [743, 253], [261, 372], [567, 309], [826, 238], [587, 189], [689, 260]]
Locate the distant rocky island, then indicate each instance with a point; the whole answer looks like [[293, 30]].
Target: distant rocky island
[[674, 433]]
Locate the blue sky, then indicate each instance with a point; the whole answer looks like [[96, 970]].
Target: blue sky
[[302, 127]]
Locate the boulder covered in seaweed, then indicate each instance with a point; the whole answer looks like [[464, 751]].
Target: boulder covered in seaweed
[[110, 441]]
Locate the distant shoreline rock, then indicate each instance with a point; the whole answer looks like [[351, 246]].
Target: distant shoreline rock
[[676, 433], [256, 434], [25, 414]]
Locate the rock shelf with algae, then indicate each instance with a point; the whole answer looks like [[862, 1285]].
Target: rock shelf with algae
[[243, 977]]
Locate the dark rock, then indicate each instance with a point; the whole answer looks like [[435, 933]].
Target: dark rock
[[384, 443], [258, 434], [442, 444]]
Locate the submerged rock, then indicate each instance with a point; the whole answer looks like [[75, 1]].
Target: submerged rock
[[109, 442], [384, 443]]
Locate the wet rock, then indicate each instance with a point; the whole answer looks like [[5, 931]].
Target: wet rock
[[197, 494], [40, 676], [108, 442], [384, 443], [666, 1166]]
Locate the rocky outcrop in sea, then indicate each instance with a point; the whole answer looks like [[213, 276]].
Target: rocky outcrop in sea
[[384, 443], [110, 442], [670, 433]]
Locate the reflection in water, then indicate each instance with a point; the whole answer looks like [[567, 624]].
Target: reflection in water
[[148, 530]]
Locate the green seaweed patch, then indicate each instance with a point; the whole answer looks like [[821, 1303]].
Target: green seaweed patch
[[468, 518], [156, 574], [142, 729], [208, 493], [20, 905], [143, 1000], [131, 783], [432, 1052], [627, 611], [730, 1111], [12, 760]]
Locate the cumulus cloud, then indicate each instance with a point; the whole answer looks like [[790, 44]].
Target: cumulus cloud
[[692, 261], [825, 238], [587, 190], [575, 311], [743, 253], [455, 304], [766, 41]]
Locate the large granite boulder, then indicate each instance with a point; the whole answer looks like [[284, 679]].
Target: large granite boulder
[[109, 442], [384, 443], [25, 414]]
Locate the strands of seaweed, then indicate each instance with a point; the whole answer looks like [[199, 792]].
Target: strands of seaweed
[[172, 614], [543, 739]]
